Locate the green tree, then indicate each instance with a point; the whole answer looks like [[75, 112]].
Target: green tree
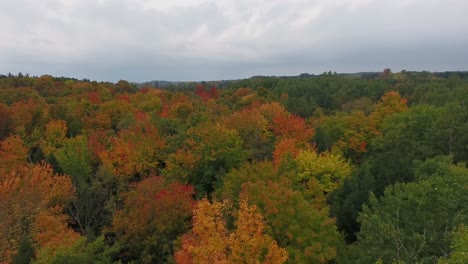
[[413, 222], [25, 251], [459, 247], [209, 152], [307, 233]]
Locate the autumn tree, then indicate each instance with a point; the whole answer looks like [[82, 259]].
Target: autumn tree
[[25, 194], [134, 151], [292, 127], [307, 233], [155, 213], [249, 243], [287, 149], [325, 171], [253, 128], [54, 135], [6, 122], [14, 155], [51, 233], [210, 241]]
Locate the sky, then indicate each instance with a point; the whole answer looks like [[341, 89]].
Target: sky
[[194, 40]]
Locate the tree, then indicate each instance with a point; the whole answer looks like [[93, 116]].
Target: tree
[[207, 242], [459, 247], [6, 122], [211, 242], [249, 243], [413, 222], [123, 86], [25, 193], [248, 172], [87, 210], [326, 170], [134, 151], [292, 127], [209, 152], [14, 155], [307, 233], [25, 251], [51, 233], [253, 128], [155, 213], [55, 133]]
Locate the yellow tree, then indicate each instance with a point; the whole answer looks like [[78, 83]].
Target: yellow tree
[[210, 241], [207, 242], [55, 133], [249, 243], [390, 103], [325, 171]]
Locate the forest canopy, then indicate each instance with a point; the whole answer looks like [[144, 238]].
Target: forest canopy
[[330, 168]]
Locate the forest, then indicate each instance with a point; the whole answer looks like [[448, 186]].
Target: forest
[[326, 168]]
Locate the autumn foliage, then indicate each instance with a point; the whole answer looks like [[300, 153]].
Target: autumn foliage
[[155, 213], [211, 242], [259, 170], [31, 195]]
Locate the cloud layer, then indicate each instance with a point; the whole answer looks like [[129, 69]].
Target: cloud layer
[[223, 39]]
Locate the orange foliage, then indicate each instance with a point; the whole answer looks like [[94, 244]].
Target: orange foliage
[[361, 129], [390, 103], [359, 132], [284, 149], [241, 92], [13, 153], [28, 114], [98, 121], [292, 127], [94, 97], [249, 242], [25, 193], [135, 150], [98, 141], [272, 110], [50, 230]]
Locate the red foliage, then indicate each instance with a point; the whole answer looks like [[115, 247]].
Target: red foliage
[[144, 90], [98, 141], [200, 90], [165, 111], [214, 93], [155, 210]]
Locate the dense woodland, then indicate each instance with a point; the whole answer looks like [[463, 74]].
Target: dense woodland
[[311, 169]]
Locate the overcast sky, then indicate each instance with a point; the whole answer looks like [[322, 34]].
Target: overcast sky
[[141, 40]]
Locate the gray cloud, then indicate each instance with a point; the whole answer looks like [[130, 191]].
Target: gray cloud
[[208, 39]]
